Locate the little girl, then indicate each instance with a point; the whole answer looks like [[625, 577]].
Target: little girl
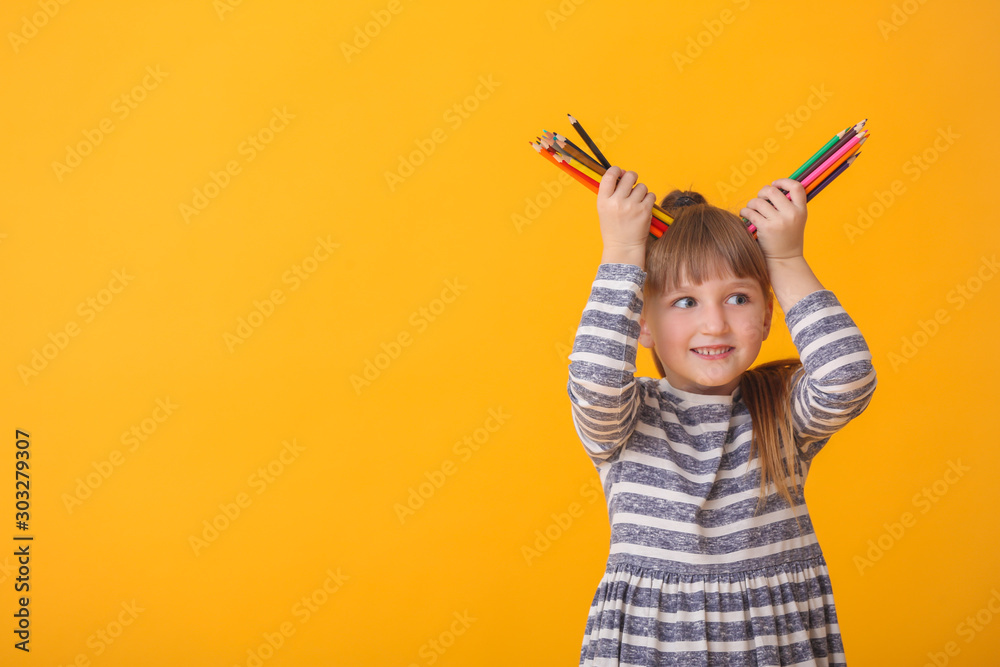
[[713, 558]]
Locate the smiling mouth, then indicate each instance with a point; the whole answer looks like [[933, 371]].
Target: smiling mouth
[[714, 352]]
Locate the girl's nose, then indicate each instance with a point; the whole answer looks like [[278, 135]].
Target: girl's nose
[[714, 320]]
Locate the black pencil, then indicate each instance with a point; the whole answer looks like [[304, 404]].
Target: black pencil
[[583, 133]]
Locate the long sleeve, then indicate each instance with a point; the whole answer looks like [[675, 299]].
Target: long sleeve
[[603, 391], [837, 379]]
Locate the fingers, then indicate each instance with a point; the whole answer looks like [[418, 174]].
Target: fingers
[[609, 181], [796, 193], [775, 200], [751, 213], [627, 182], [620, 182], [794, 188], [639, 192]]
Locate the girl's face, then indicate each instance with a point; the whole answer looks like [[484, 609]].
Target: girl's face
[[725, 313]]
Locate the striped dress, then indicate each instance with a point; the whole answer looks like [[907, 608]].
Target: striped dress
[[693, 578]]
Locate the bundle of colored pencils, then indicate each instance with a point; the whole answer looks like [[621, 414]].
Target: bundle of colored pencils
[[815, 174]]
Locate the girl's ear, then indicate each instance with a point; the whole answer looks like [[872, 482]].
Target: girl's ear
[[768, 312], [645, 335]]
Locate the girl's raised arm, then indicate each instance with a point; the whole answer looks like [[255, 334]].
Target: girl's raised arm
[[837, 379], [602, 387], [603, 390]]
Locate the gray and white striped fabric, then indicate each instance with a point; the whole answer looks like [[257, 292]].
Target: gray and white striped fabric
[[693, 578]]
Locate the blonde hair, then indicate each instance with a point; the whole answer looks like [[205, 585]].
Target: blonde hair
[[704, 241]]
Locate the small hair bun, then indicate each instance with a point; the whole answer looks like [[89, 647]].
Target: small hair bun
[[681, 198]]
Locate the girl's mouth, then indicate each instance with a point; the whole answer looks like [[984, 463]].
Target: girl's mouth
[[718, 352]]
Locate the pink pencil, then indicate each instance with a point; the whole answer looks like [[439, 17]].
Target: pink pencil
[[833, 158]]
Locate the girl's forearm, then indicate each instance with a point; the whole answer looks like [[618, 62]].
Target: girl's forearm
[[792, 279]]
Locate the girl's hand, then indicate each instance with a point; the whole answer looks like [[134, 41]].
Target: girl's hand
[[625, 211], [780, 223]]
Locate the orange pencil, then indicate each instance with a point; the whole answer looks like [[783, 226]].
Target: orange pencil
[[591, 184]]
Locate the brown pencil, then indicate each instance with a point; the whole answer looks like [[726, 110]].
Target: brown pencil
[[582, 157]]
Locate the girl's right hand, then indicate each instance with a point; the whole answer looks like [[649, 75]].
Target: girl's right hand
[[625, 210]]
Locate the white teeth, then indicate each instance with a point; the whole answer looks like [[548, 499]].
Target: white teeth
[[714, 352]]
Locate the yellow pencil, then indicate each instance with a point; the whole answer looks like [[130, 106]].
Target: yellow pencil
[[576, 164]]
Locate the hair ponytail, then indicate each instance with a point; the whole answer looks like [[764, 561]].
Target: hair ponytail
[[765, 390]]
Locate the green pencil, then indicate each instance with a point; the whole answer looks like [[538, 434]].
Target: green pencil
[[836, 138], [808, 162]]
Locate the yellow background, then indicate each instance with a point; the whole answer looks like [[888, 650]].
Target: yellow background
[[497, 344]]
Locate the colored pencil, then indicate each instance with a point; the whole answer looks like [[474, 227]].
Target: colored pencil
[[826, 181], [815, 174], [599, 172], [576, 164], [833, 167], [848, 136], [586, 138], [560, 137], [830, 160], [818, 153], [553, 148], [590, 184], [833, 140], [569, 148], [658, 212]]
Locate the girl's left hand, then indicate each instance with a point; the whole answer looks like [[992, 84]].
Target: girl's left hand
[[780, 223]]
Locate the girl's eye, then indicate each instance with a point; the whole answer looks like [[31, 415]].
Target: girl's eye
[[686, 298], [745, 298]]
